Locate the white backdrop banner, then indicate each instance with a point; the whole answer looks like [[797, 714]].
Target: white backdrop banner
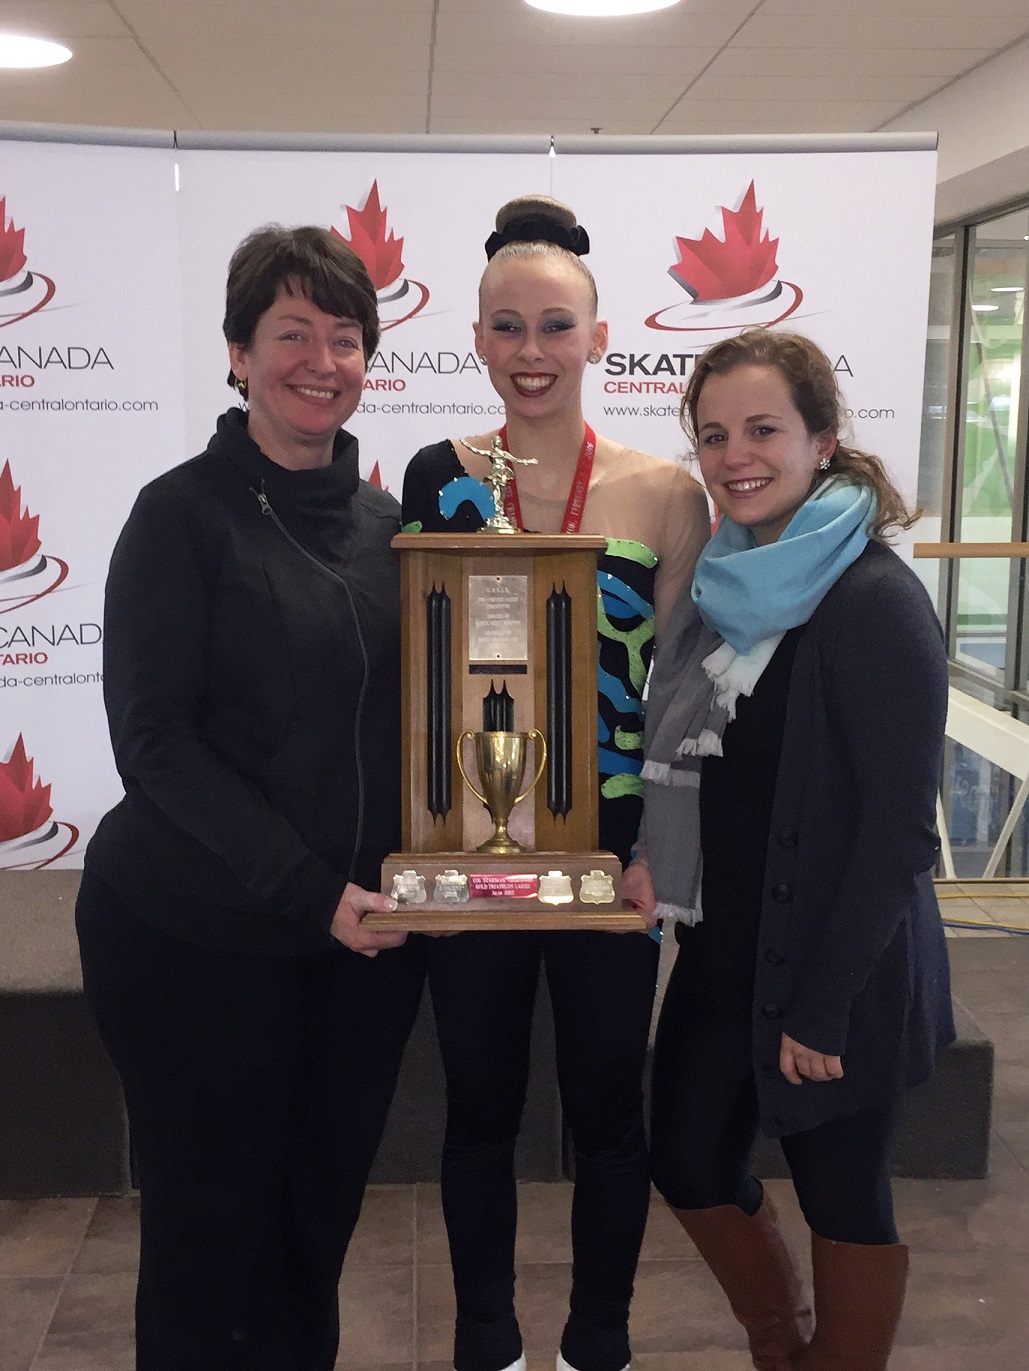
[[693, 249], [113, 366], [90, 409], [418, 221]]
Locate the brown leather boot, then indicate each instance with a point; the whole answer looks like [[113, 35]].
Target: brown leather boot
[[859, 1295], [750, 1259]]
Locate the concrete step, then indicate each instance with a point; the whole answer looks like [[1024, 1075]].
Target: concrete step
[[62, 1120]]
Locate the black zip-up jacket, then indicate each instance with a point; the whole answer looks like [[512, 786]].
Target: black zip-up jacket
[[259, 749]]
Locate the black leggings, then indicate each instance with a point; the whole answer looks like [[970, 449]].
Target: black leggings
[[601, 987], [256, 1089], [705, 1120]]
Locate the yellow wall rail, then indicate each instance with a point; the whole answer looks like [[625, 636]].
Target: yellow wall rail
[[946, 551]]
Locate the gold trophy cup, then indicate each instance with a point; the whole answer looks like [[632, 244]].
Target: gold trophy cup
[[500, 759]]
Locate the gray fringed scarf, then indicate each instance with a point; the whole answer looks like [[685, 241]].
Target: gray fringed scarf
[[681, 705], [752, 595]]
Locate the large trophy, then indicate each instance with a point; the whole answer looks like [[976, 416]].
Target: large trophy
[[500, 735]]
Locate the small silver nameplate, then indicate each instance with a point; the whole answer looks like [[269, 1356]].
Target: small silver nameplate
[[409, 888], [597, 888], [450, 888], [498, 618]]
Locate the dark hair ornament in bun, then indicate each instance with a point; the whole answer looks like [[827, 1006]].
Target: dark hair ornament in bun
[[533, 227], [537, 219]]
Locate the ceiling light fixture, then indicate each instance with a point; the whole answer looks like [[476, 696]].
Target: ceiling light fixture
[[985, 309], [600, 9], [19, 51]]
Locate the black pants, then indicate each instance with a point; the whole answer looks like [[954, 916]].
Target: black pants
[[257, 1089], [704, 1121], [601, 987]]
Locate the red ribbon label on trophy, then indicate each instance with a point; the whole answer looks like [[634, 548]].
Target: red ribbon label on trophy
[[512, 886]]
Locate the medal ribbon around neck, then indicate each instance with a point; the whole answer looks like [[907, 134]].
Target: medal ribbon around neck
[[576, 496]]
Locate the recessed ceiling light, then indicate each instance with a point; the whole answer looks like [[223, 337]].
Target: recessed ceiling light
[[600, 9], [16, 50]]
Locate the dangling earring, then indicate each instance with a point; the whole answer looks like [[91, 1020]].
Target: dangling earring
[[244, 392]]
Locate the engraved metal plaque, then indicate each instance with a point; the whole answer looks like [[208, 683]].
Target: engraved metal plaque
[[498, 618]]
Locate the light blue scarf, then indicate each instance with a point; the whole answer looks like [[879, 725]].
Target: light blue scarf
[[748, 593], [751, 595], [716, 644]]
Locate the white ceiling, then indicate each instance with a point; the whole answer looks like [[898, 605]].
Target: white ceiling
[[497, 66]]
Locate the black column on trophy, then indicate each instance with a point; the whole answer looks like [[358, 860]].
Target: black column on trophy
[[497, 710], [559, 697], [438, 698]]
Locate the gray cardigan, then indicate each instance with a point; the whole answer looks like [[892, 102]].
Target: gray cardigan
[[851, 957]]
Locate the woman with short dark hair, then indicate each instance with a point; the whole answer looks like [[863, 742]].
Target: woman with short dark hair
[[251, 677]]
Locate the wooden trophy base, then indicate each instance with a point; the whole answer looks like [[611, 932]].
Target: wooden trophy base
[[518, 881]]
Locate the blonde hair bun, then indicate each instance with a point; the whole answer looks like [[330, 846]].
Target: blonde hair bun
[[539, 205]]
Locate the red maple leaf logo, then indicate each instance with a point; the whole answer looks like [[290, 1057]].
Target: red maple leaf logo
[[24, 801], [12, 245], [375, 479], [19, 531], [713, 269], [380, 254]]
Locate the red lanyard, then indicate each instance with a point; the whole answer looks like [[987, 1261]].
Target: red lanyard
[[576, 496]]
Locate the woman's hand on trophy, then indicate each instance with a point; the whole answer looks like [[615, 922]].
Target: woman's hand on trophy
[[346, 926], [638, 891]]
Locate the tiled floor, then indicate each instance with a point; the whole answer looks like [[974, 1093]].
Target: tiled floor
[[67, 1266]]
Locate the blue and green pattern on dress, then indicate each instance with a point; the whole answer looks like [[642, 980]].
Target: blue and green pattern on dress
[[466, 489], [625, 645]]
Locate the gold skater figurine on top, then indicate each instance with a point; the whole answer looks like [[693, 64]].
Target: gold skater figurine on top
[[498, 480]]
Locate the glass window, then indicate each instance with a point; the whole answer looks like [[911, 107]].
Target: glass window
[[934, 454], [993, 323], [972, 489], [978, 796]]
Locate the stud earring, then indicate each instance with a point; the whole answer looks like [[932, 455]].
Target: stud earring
[[594, 357], [482, 358], [823, 465]]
